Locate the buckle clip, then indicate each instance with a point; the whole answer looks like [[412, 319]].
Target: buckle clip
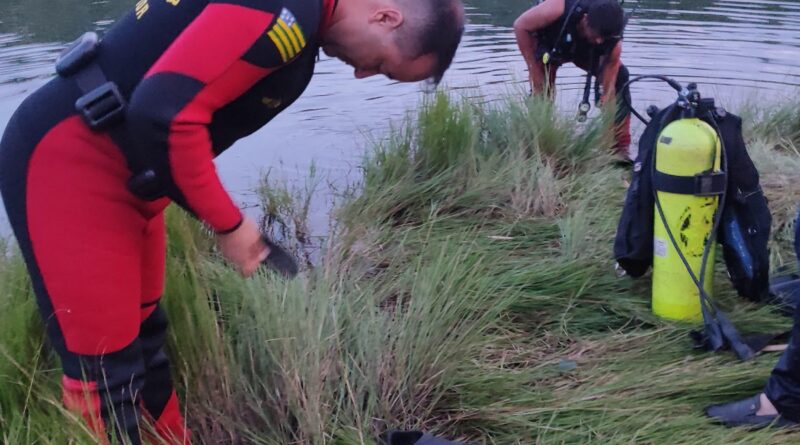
[[102, 107], [146, 185], [78, 54]]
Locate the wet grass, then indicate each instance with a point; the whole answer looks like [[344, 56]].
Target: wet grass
[[467, 289]]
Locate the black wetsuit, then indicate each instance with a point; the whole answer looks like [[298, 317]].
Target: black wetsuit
[[198, 75], [563, 44], [783, 386]]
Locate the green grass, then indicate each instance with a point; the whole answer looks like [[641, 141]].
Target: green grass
[[467, 289]]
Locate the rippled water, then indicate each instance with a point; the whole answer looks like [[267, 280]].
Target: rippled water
[[734, 49]]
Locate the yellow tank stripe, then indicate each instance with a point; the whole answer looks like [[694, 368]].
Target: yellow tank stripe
[[277, 41], [299, 35], [285, 28]]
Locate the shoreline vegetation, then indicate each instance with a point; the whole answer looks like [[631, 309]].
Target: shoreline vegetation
[[467, 288]]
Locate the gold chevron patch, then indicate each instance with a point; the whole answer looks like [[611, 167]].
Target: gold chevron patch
[[142, 6], [287, 36]]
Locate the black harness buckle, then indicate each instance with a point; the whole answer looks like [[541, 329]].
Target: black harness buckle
[[710, 183], [146, 185], [102, 107], [78, 54]]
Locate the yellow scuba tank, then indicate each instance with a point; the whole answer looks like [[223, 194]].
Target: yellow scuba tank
[[687, 150]]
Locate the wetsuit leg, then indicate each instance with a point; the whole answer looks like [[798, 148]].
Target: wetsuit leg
[[622, 120], [158, 394], [783, 386], [81, 234]]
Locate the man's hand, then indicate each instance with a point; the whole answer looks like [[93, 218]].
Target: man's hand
[[244, 247]]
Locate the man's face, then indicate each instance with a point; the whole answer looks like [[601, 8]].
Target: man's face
[[369, 45], [588, 33]]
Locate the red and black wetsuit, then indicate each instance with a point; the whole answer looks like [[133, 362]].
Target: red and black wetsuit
[[198, 74]]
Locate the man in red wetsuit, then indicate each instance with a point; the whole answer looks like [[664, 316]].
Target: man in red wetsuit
[[89, 162]]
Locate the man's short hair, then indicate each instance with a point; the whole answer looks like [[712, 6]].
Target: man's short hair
[[432, 27], [606, 17]]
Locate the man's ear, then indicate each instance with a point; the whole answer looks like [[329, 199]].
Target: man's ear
[[389, 17]]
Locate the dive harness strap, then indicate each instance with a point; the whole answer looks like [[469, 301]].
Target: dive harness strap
[[704, 184], [102, 106]]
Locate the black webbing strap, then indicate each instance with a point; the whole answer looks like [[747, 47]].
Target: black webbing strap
[[103, 107], [704, 184]]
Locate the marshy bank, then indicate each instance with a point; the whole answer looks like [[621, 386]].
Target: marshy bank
[[467, 287]]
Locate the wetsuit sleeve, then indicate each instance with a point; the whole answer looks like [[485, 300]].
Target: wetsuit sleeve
[[217, 58]]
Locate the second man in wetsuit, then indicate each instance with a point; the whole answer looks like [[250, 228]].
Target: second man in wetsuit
[[587, 33]]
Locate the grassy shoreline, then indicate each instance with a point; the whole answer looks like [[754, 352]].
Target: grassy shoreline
[[467, 288]]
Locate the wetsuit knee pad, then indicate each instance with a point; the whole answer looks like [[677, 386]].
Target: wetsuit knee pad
[[154, 328], [153, 337], [158, 385], [112, 384], [158, 395]]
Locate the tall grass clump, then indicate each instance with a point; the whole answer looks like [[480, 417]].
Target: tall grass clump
[[516, 159], [467, 289], [778, 124]]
